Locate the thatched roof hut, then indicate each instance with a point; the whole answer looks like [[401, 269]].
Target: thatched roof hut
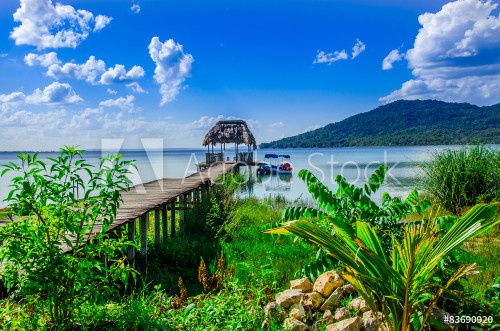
[[225, 132]]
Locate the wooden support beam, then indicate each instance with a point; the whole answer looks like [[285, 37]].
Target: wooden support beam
[[164, 221], [197, 196], [203, 192], [143, 228], [172, 217], [131, 249], [157, 227], [182, 213]]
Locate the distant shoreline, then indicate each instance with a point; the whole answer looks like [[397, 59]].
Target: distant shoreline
[[198, 149]]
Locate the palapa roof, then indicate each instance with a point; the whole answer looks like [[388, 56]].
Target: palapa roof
[[225, 132]]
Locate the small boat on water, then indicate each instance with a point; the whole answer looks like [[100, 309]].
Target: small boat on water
[[275, 164]]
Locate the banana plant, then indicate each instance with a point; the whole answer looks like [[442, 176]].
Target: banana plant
[[399, 284], [352, 203]]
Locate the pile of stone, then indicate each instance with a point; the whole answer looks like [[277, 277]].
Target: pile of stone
[[308, 306]]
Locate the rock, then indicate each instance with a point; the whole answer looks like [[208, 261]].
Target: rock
[[328, 314], [288, 297], [333, 299], [327, 283], [303, 284], [349, 288], [297, 311], [291, 324], [273, 311], [341, 314], [351, 324], [369, 321], [313, 300], [442, 316], [358, 304]]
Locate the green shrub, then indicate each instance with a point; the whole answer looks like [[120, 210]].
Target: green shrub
[[46, 253], [461, 178]]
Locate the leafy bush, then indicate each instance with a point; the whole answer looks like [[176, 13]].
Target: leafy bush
[[352, 204], [47, 253], [459, 178]]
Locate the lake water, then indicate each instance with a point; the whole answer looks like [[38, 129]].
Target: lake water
[[356, 164]]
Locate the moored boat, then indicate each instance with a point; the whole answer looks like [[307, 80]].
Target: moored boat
[[275, 164]]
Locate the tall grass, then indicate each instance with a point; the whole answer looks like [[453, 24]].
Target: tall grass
[[461, 178], [259, 259]]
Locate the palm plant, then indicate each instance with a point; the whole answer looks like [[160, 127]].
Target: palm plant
[[398, 284]]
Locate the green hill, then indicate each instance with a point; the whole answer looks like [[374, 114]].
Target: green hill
[[405, 123]]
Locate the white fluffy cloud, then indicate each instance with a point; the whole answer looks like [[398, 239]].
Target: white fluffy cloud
[[126, 103], [358, 48], [173, 66], [393, 56], [135, 8], [455, 55], [46, 25], [53, 94], [329, 58], [111, 91], [135, 87], [93, 71], [119, 74], [13, 97], [44, 60], [101, 21]]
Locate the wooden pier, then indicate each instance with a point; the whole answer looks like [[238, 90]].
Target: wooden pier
[[165, 197]]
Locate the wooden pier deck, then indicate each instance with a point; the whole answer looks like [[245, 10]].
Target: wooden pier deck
[[164, 197]]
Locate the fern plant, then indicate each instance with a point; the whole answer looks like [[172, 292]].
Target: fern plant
[[352, 203]]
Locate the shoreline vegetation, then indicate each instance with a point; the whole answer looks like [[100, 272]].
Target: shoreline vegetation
[[225, 273]]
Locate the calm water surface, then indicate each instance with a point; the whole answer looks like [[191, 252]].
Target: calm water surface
[[356, 164]]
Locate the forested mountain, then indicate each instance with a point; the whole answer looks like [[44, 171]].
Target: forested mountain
[[404, 123]]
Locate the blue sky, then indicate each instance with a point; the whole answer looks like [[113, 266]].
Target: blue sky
[[77, 72]]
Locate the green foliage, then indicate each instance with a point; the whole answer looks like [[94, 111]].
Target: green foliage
[[459, 178], [180, 256], [205, 228], [222, 203], [405, 123], [46, 252], [352, 203], [400, 284], [258, 260]]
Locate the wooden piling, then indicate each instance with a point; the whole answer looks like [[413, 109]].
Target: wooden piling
[[172, 217], [182, 214], [157, 227], [131, 237], [143, 228], [164, 220]]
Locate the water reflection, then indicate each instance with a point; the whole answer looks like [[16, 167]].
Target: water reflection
[[275, 183]]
